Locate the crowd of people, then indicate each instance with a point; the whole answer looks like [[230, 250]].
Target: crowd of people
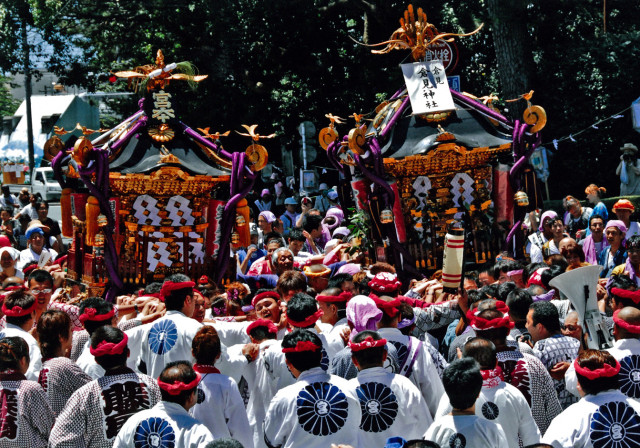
[[313, 347]]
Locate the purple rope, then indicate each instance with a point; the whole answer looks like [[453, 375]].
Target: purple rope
[[331, 155], [140, 123], [395, 118], [481, 107], [397, 94], [56, 164], [203, 141], [244, 182], [100, 190]]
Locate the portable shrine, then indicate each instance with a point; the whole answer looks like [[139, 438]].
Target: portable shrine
[[152, 196], [420, 165]]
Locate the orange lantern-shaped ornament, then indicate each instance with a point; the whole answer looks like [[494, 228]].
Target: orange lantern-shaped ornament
[[521, 199], [386, 216]]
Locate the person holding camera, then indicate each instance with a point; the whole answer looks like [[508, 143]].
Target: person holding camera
[[629, 170]]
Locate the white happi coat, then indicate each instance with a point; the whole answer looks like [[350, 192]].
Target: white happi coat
[[416, 364], [334, 338], [96, 412], [319, 409], [60, 378], [262, 387], [164, 425], [505, 405], [607, 419], [87, 363], [276, 366], [35, 358], [530, 376], [468, 431], [627, 352], [25, 417], [391, 405], [165, 340], [221, 409]]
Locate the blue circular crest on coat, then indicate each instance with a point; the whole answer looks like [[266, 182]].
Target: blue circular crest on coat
[[379, 406], [490, 410], [154, 432], [629, 376], [322, 409], [201, 396], [403, 352], [457, 440], [615, 425], [163, 336]]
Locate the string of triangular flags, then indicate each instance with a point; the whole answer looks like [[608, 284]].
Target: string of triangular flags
[[595, 125]]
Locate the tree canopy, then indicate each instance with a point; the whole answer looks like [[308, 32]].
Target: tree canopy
[[285, 61]]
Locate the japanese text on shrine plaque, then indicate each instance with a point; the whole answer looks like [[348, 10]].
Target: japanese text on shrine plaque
[[427, 87]]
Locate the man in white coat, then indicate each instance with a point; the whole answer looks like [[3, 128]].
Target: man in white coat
[[318, 409], [462, 427], [413, 355], [168, 423], [391, 404], [219, 405], [19, 307], [604, 417], [95, 413], [499, 402], [626, 349]]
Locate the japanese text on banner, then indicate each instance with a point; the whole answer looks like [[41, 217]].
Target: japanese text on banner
[[427, 87]]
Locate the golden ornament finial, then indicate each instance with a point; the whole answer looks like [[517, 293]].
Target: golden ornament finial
[[334, 119], [357, 117], [213, 137], [416, 34], [160, 59], [251, 129], [86, 131]]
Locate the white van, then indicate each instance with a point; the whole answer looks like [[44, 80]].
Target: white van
[[43, 182]]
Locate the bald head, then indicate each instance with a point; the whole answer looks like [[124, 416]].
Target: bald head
[[483, 351], [631, 316], [567, 244]]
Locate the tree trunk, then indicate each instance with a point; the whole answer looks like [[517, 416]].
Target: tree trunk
[[511, 43]]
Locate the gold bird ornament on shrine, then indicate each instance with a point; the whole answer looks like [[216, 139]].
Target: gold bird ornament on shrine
[[215, 136], [256, 154]]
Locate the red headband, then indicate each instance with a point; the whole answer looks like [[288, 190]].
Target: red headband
[[92, 315], [271, 328], [302, 346], [18, 311], [263, 295], [390, 308], [61, 259], [16, 288], [385, 282], [605, 371], [203, 280], [479, 323], [368, 342], [344, 296], [169, 286], [635, 329], [308, 321], [109, 348], [179, 386], [634, 296]]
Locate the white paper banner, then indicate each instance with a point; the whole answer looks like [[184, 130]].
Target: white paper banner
[[427, 86]]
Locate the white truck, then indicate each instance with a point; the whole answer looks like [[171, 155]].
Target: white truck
[[43, 183]]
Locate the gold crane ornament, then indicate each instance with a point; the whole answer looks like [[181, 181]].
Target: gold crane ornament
[[256, 154]]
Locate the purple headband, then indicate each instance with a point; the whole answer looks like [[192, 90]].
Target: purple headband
[[516, 272], [616, 223], [549, 214], [270, 217], [546, 297], [404, 323]]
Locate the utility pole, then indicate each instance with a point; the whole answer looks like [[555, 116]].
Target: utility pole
[[27, 86]]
